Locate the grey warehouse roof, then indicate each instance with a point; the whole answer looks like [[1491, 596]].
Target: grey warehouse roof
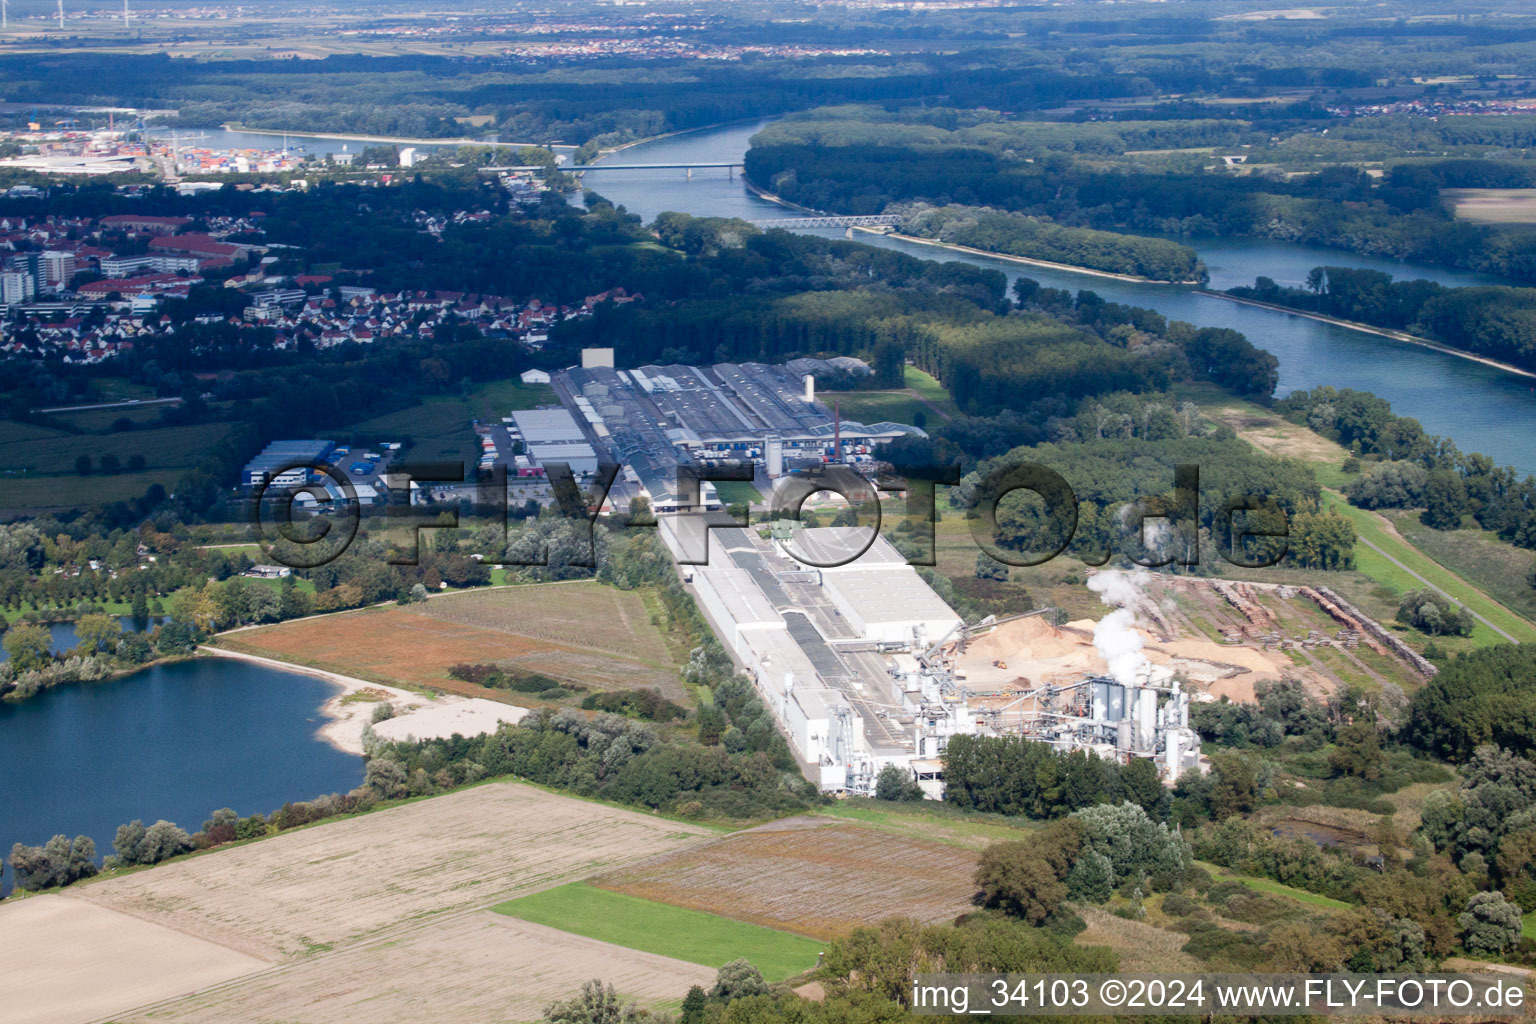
[[546, 425]]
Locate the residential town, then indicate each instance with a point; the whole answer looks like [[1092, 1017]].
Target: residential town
[[83, 290]]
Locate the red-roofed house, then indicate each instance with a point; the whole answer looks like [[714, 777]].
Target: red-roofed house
[[201, 245], [134, 222], [128, 285]]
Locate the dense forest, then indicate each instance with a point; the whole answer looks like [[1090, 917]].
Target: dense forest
[[1405, 467], [829, 163], [1105, 474], [1019, 235], [1482, 697]]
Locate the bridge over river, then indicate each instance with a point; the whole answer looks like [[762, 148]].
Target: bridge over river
[[798, 223]]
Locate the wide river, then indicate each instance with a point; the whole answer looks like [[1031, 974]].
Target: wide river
[[1483, 409]]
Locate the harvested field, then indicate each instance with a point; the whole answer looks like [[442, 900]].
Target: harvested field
[[810, 876], [479, 968], [1142, 947], [932, 821], [54, 943], [1277, 436], [586, 633], [388, 645], [589, 615], [310, 889], [1493, 205]]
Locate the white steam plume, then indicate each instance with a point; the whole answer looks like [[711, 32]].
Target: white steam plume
[[1115, 636]]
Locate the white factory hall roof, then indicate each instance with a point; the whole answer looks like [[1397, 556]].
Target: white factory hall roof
[[741, 598], [826, 544], [556, 451], [546, 425], [880, 596]]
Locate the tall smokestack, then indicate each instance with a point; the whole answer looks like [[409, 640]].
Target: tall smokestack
[[837, 432], [810, 389]]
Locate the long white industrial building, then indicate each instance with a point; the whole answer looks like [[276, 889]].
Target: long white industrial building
[[857, 662]]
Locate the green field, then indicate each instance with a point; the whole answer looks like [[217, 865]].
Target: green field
[[1399, 582], [923, 398], [1373, 528], [119, 389], [737, 491], [37, 464], [877, 406], [498, 398], [42, 451], [101, 420], [929, 387], [666, 930], [1273, 888], [931, 820], [308, 586], [1501, 570], [31, 495], [438, 429]]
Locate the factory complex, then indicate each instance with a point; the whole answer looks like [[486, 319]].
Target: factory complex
[[653, 419], [864, 665], [324, 466]]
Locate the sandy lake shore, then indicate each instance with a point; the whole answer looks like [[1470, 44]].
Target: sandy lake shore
[[418, 715]]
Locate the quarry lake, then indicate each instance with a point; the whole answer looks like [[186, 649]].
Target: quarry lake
[[173, 741], [61, 635], [1482, 408]]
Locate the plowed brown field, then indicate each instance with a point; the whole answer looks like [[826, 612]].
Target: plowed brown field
[[808, 876], [586, 633]]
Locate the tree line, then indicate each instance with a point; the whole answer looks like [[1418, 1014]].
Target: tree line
[[1489, 320], [1410, 468], [1020, 235]]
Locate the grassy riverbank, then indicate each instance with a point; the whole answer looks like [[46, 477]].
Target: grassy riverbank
[[1384, 553]]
